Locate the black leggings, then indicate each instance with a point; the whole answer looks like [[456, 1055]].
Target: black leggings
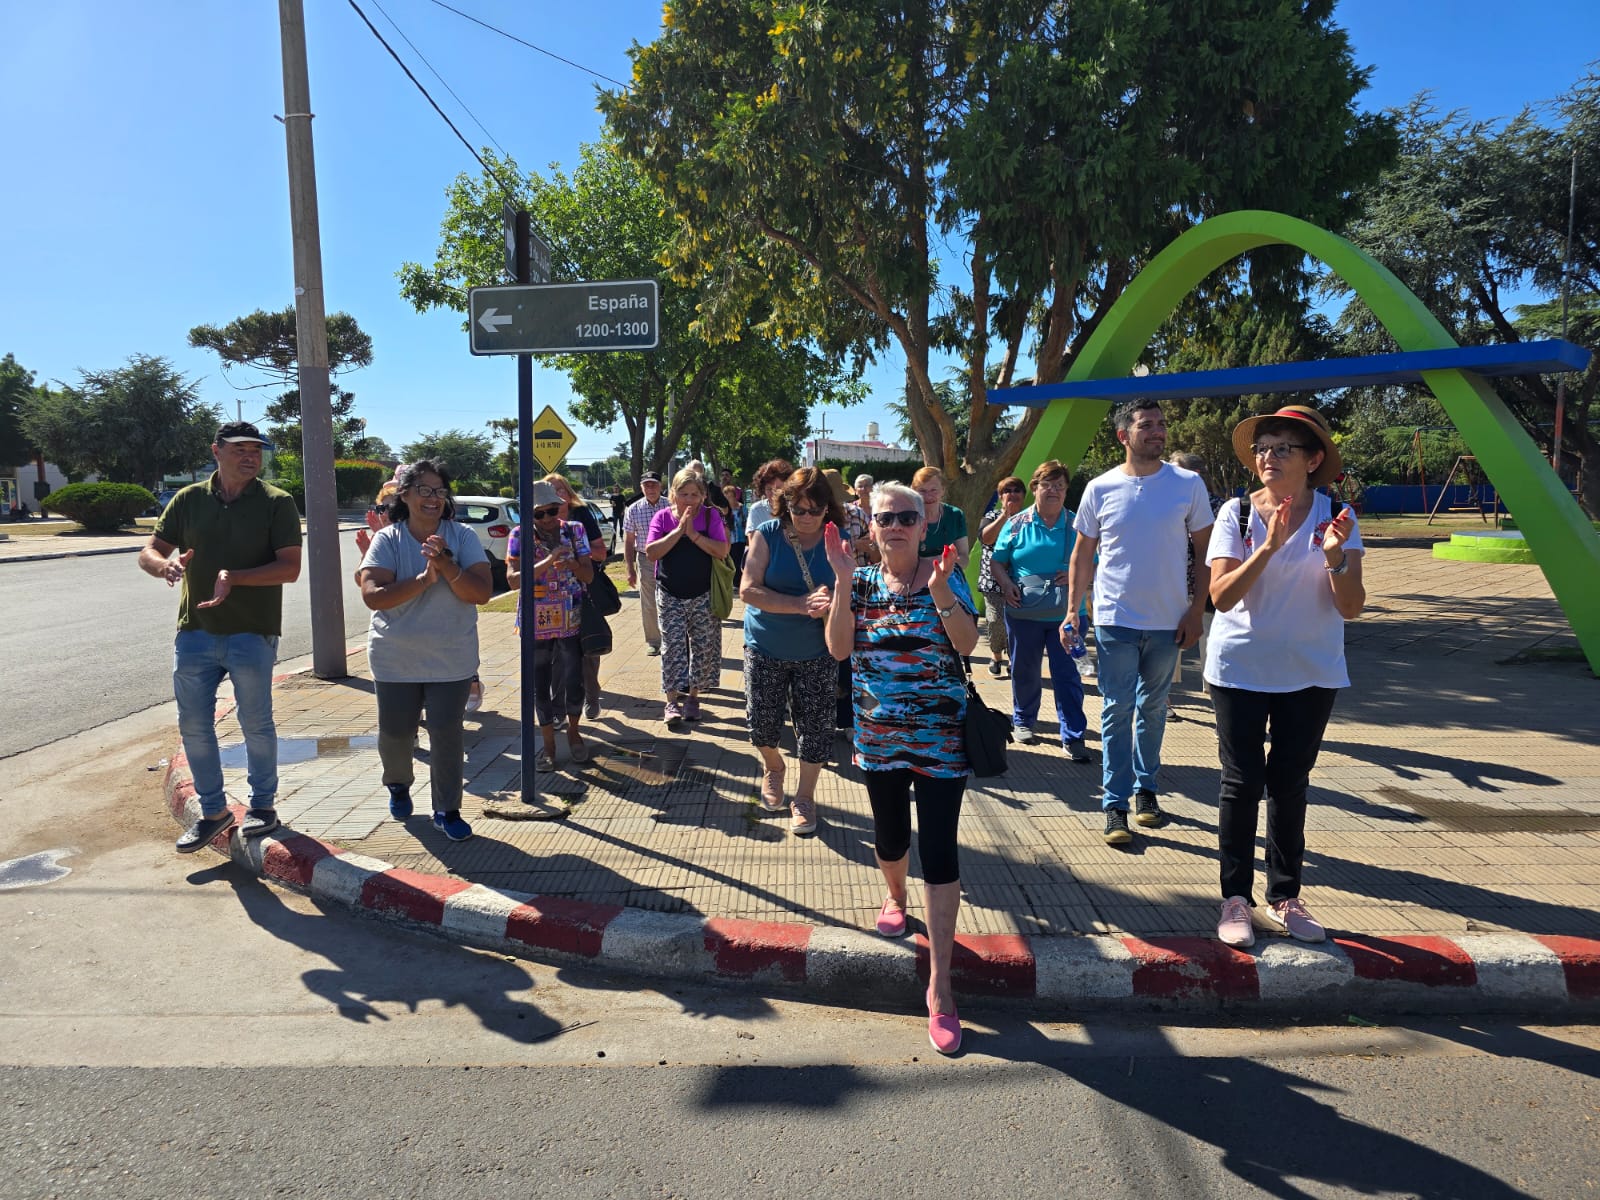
[[938, 818]]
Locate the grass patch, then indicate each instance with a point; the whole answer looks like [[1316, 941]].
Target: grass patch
[[47, 529]]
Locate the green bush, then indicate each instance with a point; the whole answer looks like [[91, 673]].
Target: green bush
[[357, 480], [508, 493], [100, 506]]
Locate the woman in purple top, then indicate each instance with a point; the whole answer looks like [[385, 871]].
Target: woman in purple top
[[684, 538]]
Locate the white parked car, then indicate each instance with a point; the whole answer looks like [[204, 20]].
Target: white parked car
[[492, 518]]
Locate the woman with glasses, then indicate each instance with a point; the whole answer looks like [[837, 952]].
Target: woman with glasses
[[905, 623], [1009, 501], [787, 588], [423, 577], [1285, 577], [563, 564], [684, 538], [576, 508], [1030, 569]]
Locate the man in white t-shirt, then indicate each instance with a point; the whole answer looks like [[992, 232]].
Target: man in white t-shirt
[[1140, 519], [641, 571]]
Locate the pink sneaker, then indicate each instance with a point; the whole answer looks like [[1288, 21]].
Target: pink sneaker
[[1234, 929], [892, 919], [1292, 917], [803, 816], [672, 714], [944, 1029]]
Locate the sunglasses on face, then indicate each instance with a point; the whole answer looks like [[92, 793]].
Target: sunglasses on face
[[1011, 491], [802, 511], [1279, 452], [905, 516], [541, 514], [425, 491]]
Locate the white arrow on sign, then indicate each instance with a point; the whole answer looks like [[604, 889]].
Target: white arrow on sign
[[492, 320]]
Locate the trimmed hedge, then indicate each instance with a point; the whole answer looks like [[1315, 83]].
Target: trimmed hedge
[[106, 507], [357, 480]]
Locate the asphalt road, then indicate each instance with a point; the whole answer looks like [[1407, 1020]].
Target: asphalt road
[[172, 1027], [87, 641]]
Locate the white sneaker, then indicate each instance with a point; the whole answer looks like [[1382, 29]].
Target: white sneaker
[[1022, 735]]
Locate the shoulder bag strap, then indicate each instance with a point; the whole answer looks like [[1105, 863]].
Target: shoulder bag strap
[[800, 555]]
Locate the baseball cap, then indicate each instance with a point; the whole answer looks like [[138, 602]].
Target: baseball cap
[[650, 477], [241, 431]]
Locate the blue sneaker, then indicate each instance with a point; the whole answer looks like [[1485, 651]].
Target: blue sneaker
[[399, 801], [452, 826]]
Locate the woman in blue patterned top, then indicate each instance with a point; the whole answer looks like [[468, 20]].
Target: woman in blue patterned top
[[904, 623]]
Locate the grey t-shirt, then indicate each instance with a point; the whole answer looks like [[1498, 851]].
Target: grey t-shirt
[[431, 638]]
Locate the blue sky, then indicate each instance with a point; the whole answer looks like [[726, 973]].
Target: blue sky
[[147, 192]]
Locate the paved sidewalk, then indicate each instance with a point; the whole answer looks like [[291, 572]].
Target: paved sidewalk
[[1453, 836]]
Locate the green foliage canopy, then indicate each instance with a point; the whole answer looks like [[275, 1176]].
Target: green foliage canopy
[[105, 507], [465, 455], [822, 161], [131, 424], [16, 393]]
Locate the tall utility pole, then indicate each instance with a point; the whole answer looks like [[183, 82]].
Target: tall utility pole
[[311, 341]]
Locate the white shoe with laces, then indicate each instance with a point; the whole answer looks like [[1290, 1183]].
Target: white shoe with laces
[[1295, 919]]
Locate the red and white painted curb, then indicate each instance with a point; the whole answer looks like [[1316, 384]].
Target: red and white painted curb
[[1511, 972]]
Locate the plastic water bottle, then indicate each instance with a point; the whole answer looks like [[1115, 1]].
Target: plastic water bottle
[[1077, 649]]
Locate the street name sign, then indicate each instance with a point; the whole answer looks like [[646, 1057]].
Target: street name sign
[[565, 318], [552, 440]]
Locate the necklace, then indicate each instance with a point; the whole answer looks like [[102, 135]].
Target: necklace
[[899, 593]]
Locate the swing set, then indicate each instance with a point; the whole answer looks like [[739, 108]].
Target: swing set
[[1483, 497]]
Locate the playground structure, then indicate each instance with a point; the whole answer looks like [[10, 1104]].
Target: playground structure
[[1566, 545], [1477, 487]]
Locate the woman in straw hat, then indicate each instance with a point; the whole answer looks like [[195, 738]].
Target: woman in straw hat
[[1285, 577]]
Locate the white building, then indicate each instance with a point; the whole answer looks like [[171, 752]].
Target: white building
[[869, 449]]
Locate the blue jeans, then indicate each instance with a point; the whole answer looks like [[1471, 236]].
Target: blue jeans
[[1030, 642], [200, 660], [1135, 676]]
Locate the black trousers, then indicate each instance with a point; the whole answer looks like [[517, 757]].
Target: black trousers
[[1297, 721]]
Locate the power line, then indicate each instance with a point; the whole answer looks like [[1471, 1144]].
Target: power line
[[440, 78], [510, 193], [540, 49]]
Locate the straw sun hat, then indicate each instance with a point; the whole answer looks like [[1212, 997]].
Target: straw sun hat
[[1244, 436]]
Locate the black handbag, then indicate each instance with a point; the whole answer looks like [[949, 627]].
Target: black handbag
[[603, 594], [986, 732], [594, 631]]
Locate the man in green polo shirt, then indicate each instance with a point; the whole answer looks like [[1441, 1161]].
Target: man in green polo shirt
[[233, 542]]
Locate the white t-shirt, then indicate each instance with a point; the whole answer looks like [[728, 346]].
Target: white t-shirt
[[1143, 523], [431, 638], [1285, 634]]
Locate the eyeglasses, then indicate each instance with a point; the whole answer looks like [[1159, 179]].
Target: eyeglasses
[[539, 514], [1279, 452], [1053, 484], [905, 516], [1011, 491], [425, 491], [800, 511]]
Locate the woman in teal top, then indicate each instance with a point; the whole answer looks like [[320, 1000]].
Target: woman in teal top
[[787, 589], [1029, 566]]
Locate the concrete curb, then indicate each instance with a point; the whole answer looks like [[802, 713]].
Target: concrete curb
[[20, 558], [1544, 976]]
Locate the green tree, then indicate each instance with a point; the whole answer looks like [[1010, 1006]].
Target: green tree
[[823, 160], [266, 343], [16, 392], [608, 221], [132, 424], [467, 456], [1473, 216]]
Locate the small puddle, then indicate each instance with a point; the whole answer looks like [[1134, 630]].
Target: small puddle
[[35, 870], [303, 749]]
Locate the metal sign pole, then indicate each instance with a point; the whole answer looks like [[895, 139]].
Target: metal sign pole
[[530, 720]]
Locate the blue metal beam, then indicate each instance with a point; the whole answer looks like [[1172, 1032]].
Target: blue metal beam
[[1516, 358]]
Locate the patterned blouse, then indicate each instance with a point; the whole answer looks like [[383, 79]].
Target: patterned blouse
[[557, 595], [910, 691]]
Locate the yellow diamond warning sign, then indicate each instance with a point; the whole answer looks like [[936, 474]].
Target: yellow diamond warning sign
[[552, 440]]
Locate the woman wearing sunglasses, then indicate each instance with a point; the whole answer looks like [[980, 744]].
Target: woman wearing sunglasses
[[905, 623], [562, 566], [787, 588], [576, 508], [684, 538], [423, 577], [1285, 577], [1010, 499]]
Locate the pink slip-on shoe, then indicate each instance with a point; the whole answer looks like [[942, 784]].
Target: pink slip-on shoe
[[892, 919], [944, 1029]]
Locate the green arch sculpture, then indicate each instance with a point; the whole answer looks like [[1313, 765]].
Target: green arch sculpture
[[1566, 544]]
